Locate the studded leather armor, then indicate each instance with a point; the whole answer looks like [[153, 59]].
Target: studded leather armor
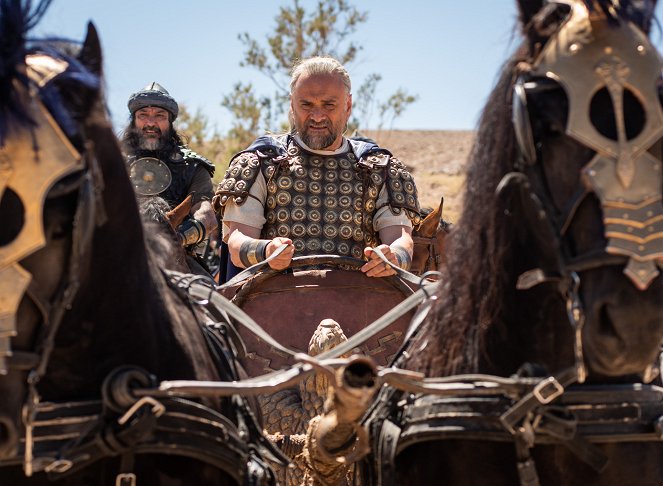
[[324, 203]]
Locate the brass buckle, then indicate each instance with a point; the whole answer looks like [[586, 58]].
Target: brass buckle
[[157, 409], [547, 390], [59, 466], [125, 479]]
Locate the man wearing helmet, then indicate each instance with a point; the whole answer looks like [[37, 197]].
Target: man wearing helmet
[[161, 165]]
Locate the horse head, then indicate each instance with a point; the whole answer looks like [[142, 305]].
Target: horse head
[[48, 197], [87, 312], [556, 256], [553, 270], [161, 224], [428, 237], [588, 125]]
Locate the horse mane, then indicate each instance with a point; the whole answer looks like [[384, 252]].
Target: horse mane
[[162, 245], [17, 18], [473, 281], [640, 12], [69, 97]]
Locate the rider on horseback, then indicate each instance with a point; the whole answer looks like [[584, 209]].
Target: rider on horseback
[[161, 165], [314, 189]]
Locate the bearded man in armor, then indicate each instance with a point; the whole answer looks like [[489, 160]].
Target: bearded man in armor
[[315, 190], [161, 165]]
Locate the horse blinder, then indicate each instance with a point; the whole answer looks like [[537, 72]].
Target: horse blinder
[[625, 177], [27, 173]]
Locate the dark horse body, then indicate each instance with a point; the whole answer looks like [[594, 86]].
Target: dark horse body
[[488, 320], [97, 284]]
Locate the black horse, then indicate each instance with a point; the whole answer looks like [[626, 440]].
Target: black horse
[[552, 275], [86, 314]]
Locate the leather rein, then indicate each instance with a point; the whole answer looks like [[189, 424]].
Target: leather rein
[[434, 257]]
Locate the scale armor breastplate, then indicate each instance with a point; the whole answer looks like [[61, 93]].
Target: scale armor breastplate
[[325, 204]]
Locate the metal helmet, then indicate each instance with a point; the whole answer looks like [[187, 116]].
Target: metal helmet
[[153, 95]]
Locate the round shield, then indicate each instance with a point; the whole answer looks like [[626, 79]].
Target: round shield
[[150, 176]]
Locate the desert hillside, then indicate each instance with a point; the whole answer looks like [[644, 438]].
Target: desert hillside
[[436, 159]]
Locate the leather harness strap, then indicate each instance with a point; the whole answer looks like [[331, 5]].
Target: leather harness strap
[[70, 436], [581, 418], [433, 260]]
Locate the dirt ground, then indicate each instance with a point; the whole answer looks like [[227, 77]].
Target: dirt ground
[[436, 159]]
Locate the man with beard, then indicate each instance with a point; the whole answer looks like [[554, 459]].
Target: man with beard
[[315, 190], [161, 165]]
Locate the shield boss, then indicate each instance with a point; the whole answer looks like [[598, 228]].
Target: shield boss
[[149, 176]]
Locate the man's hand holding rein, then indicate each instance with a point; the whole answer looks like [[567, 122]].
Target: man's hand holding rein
[[376, 267], [252, 251], [282, 261], [246, 247]]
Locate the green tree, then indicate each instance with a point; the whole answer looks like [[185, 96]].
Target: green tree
[[248, 111], [326, 29], [364, 103], [202, 139], [394, 107]]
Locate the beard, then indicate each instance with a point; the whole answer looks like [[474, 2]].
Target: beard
[[150, 142], [134, 142], [320, 141]]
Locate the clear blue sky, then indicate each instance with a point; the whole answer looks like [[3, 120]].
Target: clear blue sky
[[448, 52]]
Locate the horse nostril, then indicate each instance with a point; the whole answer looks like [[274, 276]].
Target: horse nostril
[[8, 436]]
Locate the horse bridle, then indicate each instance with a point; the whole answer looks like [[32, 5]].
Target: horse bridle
[[41, 164], [430, 242], [623, 175], [618, 171], [558, 64]]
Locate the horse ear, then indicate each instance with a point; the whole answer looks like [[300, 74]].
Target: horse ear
[[90, 54], [177, 215], [528, 9], [649, 17]]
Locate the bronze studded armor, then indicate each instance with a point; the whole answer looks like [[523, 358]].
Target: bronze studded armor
[[324, 203]]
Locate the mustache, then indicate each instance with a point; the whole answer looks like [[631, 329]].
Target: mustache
[[324, 124], [151, 128]]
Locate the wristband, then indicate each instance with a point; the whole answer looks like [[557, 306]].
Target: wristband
[[402, 256], [252, 252], [191, 232]]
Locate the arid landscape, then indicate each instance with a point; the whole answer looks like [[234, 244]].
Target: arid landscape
[[436, 159]]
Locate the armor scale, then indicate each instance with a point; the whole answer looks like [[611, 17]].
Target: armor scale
[[325, 204]]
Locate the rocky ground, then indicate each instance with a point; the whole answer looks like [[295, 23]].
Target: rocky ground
[[436, 159]]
